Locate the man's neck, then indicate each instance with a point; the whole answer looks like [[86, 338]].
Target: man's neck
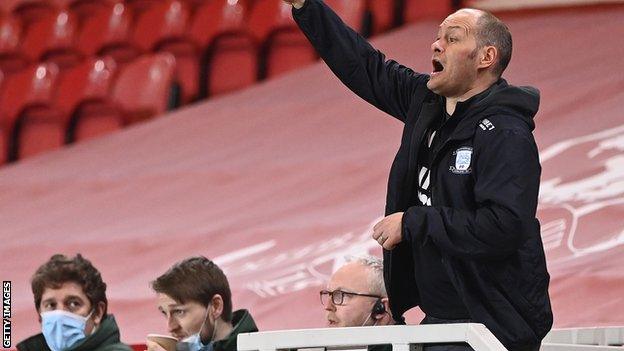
[[451, 101], [224, 329]]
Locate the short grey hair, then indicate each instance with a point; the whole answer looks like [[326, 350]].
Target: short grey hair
[[491, 31], [375, 276]]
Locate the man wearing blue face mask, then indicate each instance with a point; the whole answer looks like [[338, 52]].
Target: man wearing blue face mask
[[194, 296], [70, 298]]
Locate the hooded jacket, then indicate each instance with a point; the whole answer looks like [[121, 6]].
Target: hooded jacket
[[243, 323], [105, 338], [484, 185]]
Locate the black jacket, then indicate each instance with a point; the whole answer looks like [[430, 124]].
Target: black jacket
[[482, 217]]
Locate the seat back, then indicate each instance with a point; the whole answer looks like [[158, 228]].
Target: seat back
[[383, 14], [4, 134], [28, 89], [85, 9], [90, 81], [108, 32], [7, 6], [31, 86], [31, 11], [10, 31], [216, 17], [140, 6], [283, 45], [165, 21], [268, 16], [53, 38], [415, 10], [11, 58], [143, 86]]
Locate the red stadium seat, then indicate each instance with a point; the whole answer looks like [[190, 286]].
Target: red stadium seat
[[53, 39], [352, 12], [7, 6], [86, 9], [163, 27], [284, 47], [140, 6], [107, 33], [140, 91], [415, 10], [24, 93], [230, 61], [92, 114], [11, 58], [215, 17], [4, 135], [143, 87], [79, 87], [4, 144], [31, 10], [383, 14]]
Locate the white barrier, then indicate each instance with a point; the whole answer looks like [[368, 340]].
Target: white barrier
[[571, 347], [600, 336], [402, 337]]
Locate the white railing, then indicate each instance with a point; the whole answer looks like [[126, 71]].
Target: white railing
[[596, 338], [402, 337]]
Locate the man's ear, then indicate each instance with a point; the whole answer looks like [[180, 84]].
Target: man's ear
[[488, 56], [217, 306], [386, 303], [98, 314]]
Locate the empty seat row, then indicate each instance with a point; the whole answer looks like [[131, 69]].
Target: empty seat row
[[216, 46], [42, 108], [60, 37]]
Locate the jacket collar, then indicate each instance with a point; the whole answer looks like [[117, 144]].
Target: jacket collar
[[243, 323]]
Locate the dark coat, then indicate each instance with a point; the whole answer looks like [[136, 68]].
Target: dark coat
[[243, 323], [484, 184]]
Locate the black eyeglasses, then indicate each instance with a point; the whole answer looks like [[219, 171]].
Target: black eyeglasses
[[337, 296]]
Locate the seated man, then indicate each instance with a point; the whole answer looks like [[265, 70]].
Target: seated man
[[356, 295], [70, 297], [194, 296]]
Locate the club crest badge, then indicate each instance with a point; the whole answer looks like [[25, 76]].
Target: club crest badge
[[463, 159]]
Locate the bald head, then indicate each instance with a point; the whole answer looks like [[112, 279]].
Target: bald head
[[489, 31]]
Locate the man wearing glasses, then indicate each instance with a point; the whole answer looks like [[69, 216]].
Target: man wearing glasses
[[356, 295]]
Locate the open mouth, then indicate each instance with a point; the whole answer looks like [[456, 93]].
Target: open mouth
[[437, 66]]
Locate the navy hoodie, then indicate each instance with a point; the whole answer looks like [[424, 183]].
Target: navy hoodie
[[484, 184]]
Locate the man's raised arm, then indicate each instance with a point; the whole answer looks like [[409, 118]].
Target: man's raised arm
[[363, 69]]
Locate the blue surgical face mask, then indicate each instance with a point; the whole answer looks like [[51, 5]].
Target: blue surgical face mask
[[193, 342], [62, 330]]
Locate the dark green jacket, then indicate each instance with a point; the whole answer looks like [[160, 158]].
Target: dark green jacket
[[105, 338], [243, 323]]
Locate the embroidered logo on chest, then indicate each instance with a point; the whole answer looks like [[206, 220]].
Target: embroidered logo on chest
[[463, 158]]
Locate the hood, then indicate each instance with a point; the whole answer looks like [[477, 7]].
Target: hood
[[502, 98], [106, 334]]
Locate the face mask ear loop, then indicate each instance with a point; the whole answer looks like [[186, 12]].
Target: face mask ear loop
[[94, 326], [214, 330], [201, 329]]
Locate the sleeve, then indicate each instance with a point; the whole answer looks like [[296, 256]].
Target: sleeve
[[385, 84], [507, 173]]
